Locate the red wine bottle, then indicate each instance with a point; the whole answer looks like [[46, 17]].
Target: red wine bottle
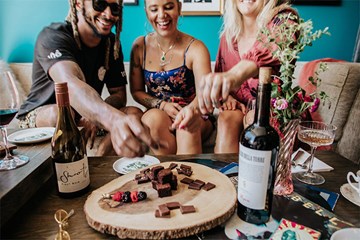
[[68, 150], [259, 147]]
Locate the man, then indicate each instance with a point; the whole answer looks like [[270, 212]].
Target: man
[[85, 53]]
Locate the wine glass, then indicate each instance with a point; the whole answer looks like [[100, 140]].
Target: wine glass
[[9, 106], [250, 112], [315, 134]]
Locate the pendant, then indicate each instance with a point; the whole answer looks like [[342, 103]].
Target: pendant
[[163, 61]]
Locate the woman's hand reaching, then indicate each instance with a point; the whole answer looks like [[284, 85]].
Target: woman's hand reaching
[[188, 119]]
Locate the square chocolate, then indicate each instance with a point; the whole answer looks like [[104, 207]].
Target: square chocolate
[[172, 165], [157, 214], [186, 180], [173, 205], [187, 209], [208, 186]]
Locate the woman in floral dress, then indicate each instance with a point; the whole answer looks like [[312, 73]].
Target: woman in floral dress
[[165, 67]]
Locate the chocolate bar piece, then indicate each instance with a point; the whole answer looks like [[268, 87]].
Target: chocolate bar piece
[[144, 179], [183, 166], [187, 172], [164, 210], [194, 186], [164, 190], [199, 182], [172, 165], [164, 176], [186, 180], [173, 205], [208, 186], [157, 214], [187, 209]]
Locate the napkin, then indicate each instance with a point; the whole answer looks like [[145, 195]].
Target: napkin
[[318, 165]]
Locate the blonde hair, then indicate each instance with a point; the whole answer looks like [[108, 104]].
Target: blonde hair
[[232, 19], [73, 19]]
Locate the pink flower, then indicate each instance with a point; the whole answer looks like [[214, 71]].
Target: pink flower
[[315, 105], [280, 104]]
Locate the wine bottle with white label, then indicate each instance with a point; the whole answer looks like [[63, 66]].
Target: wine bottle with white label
[[258, 151], [68, 150]]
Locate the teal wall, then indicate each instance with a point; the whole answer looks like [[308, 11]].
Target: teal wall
[[21, 21]]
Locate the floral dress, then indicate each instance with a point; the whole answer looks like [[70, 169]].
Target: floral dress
[[176, 85]]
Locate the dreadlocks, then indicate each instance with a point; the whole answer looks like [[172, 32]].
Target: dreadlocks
[[73, 19]]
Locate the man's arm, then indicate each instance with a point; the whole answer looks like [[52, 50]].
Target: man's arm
[[117, 97], [127, 132]]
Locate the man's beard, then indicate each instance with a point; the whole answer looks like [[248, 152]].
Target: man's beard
[[93, 27]]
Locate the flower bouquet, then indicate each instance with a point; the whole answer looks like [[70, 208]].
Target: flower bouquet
[[290, 103]]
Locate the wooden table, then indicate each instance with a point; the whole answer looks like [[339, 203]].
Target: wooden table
[[19, 185], [36, 218]]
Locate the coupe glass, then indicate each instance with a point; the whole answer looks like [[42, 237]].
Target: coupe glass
[[9, 106], [315, 134]]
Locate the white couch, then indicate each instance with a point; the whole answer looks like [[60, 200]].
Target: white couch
[[341, 81]]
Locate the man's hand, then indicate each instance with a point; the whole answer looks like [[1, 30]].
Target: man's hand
[[89, 131], [130, 138]]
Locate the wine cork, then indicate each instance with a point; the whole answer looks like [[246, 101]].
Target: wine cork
[[265, 75]]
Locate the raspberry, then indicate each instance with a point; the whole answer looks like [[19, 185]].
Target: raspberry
[[117, 196], [134, 196]]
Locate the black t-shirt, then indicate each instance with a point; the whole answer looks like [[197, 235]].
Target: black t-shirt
[[56, 43]]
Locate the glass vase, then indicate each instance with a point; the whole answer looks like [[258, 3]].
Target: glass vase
[[283, 180]]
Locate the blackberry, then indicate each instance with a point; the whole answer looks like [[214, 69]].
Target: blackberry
[[126, 197], [142, 196]]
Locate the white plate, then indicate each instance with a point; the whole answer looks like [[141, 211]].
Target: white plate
[[32, 135], [346, 233], [350, 194], [125, 165]]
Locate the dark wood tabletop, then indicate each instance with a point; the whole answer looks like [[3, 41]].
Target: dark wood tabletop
[[35, 220]]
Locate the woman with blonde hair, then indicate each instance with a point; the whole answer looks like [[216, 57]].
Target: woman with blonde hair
[[165, 67], [240, 55]]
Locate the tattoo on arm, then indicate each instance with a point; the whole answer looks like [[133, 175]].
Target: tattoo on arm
[[152, 102]]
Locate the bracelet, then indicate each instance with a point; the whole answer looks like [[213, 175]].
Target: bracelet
[[158, 103]]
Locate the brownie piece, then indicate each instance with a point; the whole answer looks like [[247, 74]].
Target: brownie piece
[[173, 182], [164, 190], [186, 180], [172, 165], [173, 205], [154, 184], [164, 176], [157, 214], [154, 172], [187, 209], [208, 186]]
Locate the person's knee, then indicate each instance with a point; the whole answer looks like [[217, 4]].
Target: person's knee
[[47, 116], [132, 111], [227, 119]]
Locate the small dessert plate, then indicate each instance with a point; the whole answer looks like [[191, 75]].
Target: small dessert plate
[[346, 233], [125, 165], [31, 135], [350, 194]]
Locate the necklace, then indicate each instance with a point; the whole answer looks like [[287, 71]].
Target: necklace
[[163, 60]]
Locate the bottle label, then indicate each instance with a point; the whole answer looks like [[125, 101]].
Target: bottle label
[[253, 177], [72, 177]]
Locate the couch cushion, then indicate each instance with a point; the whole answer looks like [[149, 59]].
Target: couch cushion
[[341, 82], [348, 146], [22, 93]]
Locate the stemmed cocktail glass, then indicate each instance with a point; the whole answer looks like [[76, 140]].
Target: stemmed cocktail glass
[[315, 134], [9, 106]]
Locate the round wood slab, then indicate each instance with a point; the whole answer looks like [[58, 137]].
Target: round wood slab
[[137, 220]]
